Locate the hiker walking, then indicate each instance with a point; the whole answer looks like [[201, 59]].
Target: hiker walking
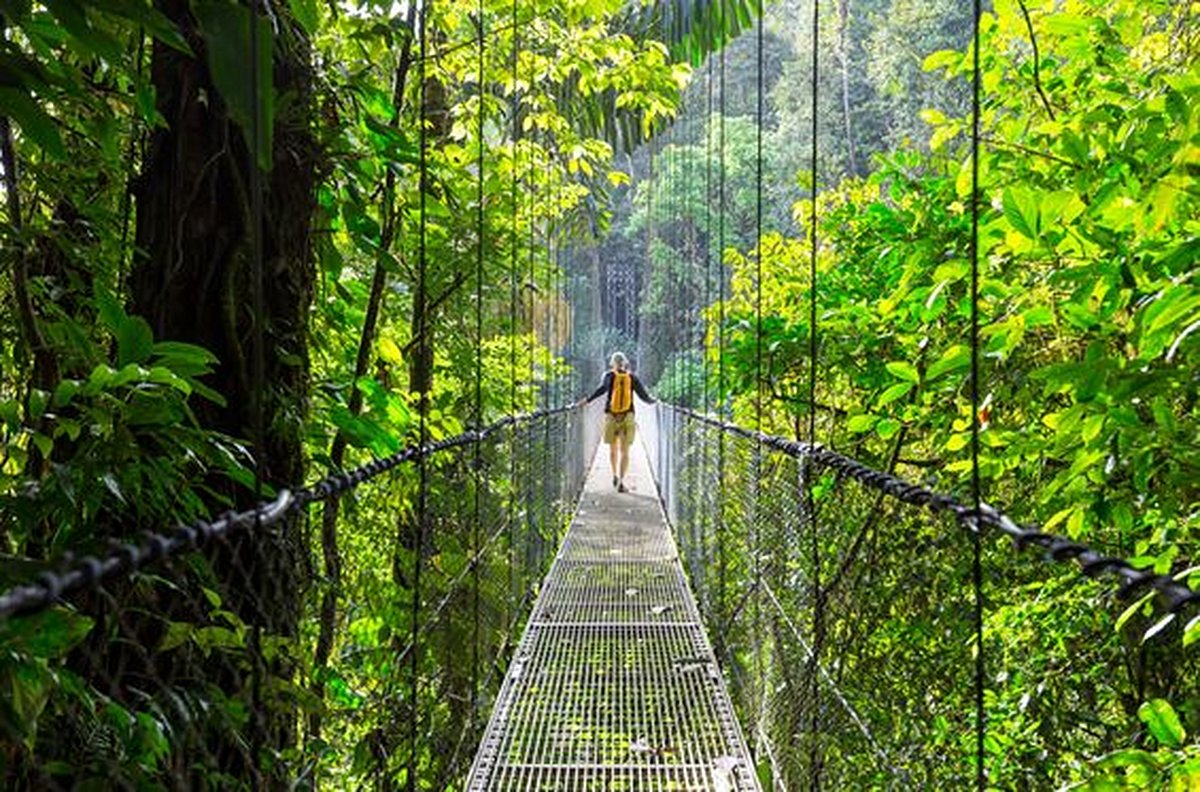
[[619, 384]]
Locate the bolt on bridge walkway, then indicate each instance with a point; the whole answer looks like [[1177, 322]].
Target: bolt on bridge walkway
[[614, 685]]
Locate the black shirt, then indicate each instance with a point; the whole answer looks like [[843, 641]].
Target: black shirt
[[606, 387]]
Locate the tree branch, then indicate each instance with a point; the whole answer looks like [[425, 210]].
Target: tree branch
[[1026, 150], [1037, 70], [337, 453]]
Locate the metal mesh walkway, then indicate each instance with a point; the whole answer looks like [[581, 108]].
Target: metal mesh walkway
[[614, 685]]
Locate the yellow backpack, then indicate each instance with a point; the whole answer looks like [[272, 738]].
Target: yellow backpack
[[622, 393]]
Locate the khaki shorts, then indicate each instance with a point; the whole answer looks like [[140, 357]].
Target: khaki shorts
[[619, 426]]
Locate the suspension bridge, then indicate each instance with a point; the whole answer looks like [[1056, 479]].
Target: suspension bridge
[[756, 612], [710, 629]]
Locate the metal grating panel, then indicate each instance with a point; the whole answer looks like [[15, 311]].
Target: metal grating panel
[[629, 592], [614, 686]]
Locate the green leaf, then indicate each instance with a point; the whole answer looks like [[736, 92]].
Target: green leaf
[[954, 358], [33, 121], [1127, 757], [49, 634], [887, 427], [38, 401], [1191, 633], [64, 392], [135, 341], [226, 27], [861, 423], [177, 634], [307, 14], [895, 392], [1163, 722], [941, 59], [1020, 209], [903, 370]]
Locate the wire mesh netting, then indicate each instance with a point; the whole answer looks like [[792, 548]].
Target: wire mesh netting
[[186, 667], [843, 619], [614, 685]]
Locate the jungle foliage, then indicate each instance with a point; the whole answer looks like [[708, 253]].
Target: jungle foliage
[[392, 151]]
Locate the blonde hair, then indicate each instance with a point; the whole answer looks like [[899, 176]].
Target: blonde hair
[[619, 361]]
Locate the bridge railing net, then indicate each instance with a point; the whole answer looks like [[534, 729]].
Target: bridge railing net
[[196, 669], [843, 619]]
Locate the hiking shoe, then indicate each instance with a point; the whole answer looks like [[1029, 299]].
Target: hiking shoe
[[621, 487]]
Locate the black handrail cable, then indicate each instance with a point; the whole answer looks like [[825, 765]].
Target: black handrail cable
[[976, 496], [1175, 594], [51, 587]]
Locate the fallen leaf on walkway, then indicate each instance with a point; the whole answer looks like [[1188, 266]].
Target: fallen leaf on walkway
[[722, 773]]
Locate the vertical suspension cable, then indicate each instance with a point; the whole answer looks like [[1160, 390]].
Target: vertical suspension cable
[[708, 225], [976, 539], [756, 544], [705, 372], [479, 418], [721, 407], [514, 293], [810, 501], [530, 288], [425, 357], [651, 228], [758, 226], [256, 254], [259, 365]]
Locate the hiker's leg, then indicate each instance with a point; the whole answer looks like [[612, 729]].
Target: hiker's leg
[[623, 441]]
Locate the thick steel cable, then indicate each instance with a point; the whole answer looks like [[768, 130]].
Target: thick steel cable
[[426, 359], [123, 559], [1174, 595], [976, 495]]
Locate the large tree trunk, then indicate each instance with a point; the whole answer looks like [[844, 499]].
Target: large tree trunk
[[192, 282]]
